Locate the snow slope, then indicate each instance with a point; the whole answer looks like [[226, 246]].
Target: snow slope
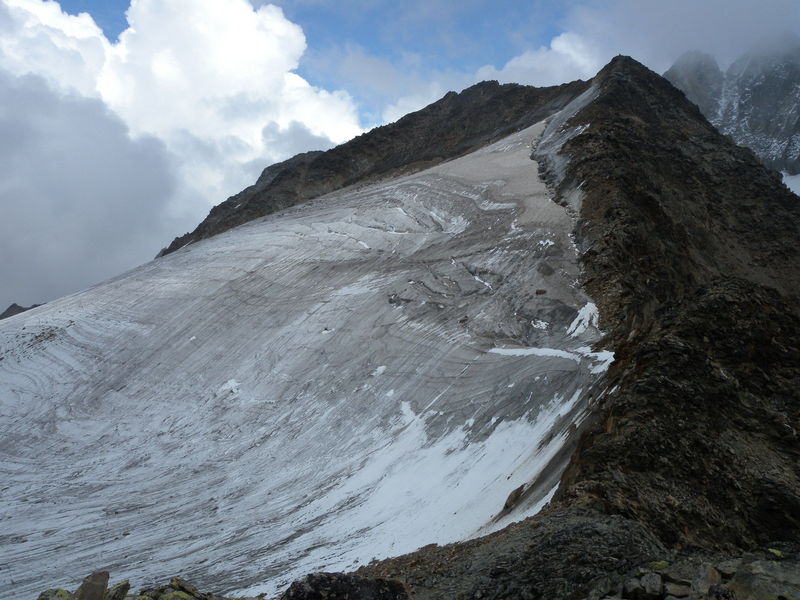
[[355, 377], [792, 182]]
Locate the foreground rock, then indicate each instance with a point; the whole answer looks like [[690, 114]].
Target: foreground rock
[[767, 574], [339, 586]]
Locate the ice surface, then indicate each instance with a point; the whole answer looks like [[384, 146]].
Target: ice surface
[[587, 317], [792, 182], [351, 378]]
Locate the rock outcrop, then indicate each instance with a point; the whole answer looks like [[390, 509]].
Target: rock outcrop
[[755, 100], [689, 248], [339, 586]]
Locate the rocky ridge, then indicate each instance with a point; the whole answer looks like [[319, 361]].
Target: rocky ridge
[[687, 244], [450, 127], [755, 100]]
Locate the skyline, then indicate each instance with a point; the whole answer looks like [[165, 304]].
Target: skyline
[[121, 130]]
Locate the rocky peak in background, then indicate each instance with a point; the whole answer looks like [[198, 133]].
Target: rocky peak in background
[[16, 309], [756, 100], [698, 75], [454, 125]]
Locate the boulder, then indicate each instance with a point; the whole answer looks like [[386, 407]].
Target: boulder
[[341, 586], [705, 578], [93, 587], [118, 591], [55, 594], [767, 579]]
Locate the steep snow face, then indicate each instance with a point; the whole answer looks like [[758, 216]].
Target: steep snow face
[[351, 378]]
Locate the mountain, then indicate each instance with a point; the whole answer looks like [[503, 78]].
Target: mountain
[[567, 377], [451, 127], [16, 309], [400, 362], [755, 100]]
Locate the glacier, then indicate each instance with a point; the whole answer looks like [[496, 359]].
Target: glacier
[[351, 378]]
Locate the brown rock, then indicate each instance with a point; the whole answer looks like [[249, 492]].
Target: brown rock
[[118, 591], [93, 587], [707, 577], [677, 589]]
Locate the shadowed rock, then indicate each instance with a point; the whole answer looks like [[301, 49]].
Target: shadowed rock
[[341, 586], [93, 587]]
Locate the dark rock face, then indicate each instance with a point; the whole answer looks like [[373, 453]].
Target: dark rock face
[[340, 586], [16, 309], [559, 554], [755, 101], [691, 256], [450, 127]]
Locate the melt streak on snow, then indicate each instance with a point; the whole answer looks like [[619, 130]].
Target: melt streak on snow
[[351, 378]]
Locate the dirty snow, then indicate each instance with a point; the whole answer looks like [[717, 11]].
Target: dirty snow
[[277, 399]]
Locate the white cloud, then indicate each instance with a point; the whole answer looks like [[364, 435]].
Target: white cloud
[[81, 201], [212, 80], [422, 96], [38, 38], [651, 31], [205, 75], [570, 56]]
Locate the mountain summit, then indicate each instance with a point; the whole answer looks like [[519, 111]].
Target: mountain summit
[[755, 100], [562, 364]]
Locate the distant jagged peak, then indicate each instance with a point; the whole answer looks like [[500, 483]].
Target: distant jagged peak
[[755, 100], [699, 76], [769, 55], [694, 59], [16, 309]]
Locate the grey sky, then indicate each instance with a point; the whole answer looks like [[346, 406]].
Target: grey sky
[[80, 200]]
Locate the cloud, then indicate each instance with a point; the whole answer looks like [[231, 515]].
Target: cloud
[[38, 38], [213, 82], [594, 31], [197, 74], [569, 56], [81, 201], [656, 33]]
